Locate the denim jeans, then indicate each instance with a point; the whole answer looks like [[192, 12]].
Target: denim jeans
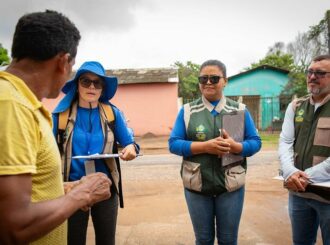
[[104, 216], [223, 211], [306, 216]]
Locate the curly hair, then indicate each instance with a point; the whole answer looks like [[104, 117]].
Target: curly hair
[[42, 35]]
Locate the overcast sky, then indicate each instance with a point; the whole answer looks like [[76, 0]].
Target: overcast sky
[[156, 33]]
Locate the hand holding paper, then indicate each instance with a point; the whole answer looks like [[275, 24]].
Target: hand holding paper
[[128, 153], [297, 181]]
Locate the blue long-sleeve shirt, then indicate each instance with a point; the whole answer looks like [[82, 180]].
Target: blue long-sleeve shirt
[[180, 145], [88, 138]]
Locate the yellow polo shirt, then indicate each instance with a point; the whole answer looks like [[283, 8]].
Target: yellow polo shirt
[[28, 146]]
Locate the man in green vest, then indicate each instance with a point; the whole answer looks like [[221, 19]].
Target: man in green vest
[[304, 152]]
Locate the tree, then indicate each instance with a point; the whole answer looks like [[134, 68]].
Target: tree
[[320, 33], [276, 58], [4, 58], [310, 44], [188, 79], [305, 47], [303, 50], [297, 55], [296, 85], [278, 47]]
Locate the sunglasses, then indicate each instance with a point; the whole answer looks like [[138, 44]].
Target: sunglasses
[[86, 83], [205, 79], [317, 74]]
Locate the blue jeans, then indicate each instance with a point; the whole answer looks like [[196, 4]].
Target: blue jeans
[[306, 216], [223, 211]]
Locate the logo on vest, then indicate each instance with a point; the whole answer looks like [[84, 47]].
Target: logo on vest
[[200, 133], [299, 117]]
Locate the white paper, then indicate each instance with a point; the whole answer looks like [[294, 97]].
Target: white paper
[[89, 167], [101, 156], [323, 184], [278, 177], [97, 156]]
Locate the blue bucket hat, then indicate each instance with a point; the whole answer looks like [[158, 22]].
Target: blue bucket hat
[[111, 83]]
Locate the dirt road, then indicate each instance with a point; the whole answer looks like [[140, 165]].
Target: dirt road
[[155, 210]]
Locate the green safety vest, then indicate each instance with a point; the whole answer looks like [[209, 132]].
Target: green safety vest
[[312, 133], [201, 125]]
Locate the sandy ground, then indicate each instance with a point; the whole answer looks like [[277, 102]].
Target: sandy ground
[[155, 210]]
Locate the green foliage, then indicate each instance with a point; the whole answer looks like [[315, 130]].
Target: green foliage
[[316, 30], [188, 79], [320, 34], [297, 55], [296, 85], [307, 46], [269, 140], [4, 58], [277, 59]]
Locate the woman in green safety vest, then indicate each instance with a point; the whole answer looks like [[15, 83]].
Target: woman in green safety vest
[[214, 161]]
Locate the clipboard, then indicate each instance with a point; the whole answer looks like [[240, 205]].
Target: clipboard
[[100, 156], [325, 184], [234, 124], [321, 189]]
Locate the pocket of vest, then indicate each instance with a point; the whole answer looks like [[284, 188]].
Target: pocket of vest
[[235, 178], [322, 134], [191, 175]]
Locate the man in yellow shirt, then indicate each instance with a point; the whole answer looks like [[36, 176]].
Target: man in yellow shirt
[[33, 207]]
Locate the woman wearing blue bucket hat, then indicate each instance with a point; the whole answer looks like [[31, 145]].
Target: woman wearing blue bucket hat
[[86, 123]]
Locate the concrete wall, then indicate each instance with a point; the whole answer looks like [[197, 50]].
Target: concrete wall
[[50, 104], [148, 107]]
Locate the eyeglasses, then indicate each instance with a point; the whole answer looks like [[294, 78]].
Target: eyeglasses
[[205, 79], [86, 83], [317, 74]]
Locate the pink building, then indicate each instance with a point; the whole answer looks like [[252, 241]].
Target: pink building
[[148, 98]]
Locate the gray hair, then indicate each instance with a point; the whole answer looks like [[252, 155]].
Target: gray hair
[[322, 57]]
